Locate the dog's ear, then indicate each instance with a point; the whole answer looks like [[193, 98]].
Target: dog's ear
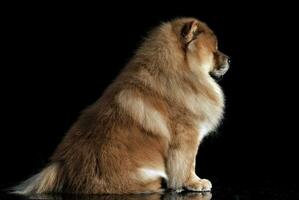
[[190, 31]]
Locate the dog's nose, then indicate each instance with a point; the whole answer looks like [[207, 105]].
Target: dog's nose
[[228, 59]]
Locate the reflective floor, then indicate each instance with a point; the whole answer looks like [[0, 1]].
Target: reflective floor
[[236, 192], [165, 196]]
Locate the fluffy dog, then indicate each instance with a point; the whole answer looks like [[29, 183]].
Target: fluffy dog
[[147, 126]]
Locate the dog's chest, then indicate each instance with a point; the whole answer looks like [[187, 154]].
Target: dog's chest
[[210, 112]]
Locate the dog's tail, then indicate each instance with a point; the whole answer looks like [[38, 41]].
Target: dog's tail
[[48, 180]]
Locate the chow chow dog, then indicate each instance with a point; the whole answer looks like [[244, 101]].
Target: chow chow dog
[[143, 133]]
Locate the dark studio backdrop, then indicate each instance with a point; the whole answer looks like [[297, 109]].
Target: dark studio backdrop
[[58, 59]]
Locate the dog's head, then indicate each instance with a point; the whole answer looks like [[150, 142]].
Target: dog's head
[[201, 47]]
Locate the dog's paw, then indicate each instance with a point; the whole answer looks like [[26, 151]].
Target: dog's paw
[[200, 185]]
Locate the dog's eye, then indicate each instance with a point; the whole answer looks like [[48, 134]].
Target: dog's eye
[[216, 55]]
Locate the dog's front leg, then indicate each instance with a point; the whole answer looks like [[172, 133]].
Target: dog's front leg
[[181, 162]]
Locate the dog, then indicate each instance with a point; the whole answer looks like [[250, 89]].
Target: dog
[[145, 129]]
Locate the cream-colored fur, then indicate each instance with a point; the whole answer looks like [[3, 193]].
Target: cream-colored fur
[[147, 116], [152, 174], [43, 182]]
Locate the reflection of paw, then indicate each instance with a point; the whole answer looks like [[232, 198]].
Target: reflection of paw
[[187, 196], [198, 185], [198, 196]]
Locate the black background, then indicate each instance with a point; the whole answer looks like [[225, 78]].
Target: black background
[[58, 59]]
